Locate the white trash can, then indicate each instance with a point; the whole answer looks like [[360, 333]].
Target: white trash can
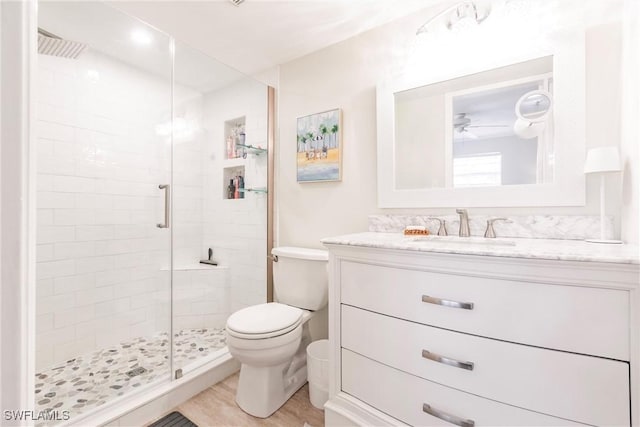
[[318, 372]]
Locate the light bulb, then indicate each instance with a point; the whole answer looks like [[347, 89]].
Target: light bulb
[[141, 37]]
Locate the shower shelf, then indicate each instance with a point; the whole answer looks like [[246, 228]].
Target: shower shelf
[[252, 149], [260, 190]]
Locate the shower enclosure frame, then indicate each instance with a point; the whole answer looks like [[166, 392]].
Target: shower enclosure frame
[[17, 192], [18, 53]]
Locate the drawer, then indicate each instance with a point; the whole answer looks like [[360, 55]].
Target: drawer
[[577, 387], [402, 396], [578, 319]]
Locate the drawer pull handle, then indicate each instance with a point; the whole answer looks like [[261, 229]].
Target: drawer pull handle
[[447, 361], [447, 417], [447, 303]]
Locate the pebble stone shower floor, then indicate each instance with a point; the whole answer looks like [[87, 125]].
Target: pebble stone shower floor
[[88, 381]]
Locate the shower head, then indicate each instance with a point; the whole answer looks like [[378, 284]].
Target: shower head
[[50, 44]]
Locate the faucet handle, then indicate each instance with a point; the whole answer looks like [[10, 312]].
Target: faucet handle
[[442, 228], [490, 232]]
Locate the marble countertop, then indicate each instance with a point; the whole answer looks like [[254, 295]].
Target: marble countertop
[[553, 249]]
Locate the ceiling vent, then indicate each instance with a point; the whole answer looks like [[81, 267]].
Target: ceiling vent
[[237, 2]]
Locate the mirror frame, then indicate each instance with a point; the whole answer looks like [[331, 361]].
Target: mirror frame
[[568, 187]]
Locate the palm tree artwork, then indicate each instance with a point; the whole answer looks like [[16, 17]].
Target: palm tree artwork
[[323, 132], [319, 151], [334, 132]]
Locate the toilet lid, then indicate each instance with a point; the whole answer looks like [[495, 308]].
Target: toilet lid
[[264, 319]]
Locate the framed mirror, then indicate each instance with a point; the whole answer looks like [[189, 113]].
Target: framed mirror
[[495, 137]]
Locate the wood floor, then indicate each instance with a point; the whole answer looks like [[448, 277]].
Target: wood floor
[[216, 406]]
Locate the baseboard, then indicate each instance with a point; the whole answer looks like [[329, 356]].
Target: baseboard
[[344, 410]]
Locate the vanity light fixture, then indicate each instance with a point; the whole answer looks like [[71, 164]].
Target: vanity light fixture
[[602, 160], [459, 15]]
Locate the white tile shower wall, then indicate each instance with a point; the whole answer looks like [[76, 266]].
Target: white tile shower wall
[[236, 229], [99, 165], [188, 181], [201, 292], [201, 297]]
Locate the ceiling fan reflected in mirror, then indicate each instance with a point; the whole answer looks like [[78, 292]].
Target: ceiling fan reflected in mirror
[[462, 124]]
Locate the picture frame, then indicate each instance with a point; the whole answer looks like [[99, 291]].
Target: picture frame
[[319, 147]]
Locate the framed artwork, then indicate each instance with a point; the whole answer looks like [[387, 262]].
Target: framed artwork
[[319, 147]]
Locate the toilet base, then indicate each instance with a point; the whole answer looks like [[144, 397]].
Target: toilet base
[[262, 390]]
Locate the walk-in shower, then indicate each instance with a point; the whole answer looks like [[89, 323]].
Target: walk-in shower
[[149, 154]]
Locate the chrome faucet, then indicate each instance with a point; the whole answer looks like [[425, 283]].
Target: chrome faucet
[[464, 222], [442, 227], [490, 232]]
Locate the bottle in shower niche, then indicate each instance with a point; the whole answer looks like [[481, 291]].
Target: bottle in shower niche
[[231, 189], [236, 183], [241, 186], [231, 147], [237, 132]]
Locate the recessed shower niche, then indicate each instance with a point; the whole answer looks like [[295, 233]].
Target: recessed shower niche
[[235, 137], [233, 182], [244, 157]]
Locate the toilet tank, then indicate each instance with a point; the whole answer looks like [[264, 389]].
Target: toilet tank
[[300, 277]]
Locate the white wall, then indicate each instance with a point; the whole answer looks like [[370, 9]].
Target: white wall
[[99, 164], [345, 76]]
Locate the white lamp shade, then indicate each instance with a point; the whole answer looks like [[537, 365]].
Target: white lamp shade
[[602, 159]]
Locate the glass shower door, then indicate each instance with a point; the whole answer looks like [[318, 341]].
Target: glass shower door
[[104, 148], [220, 203]]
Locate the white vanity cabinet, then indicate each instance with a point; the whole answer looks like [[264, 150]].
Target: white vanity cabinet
[[425, 338]]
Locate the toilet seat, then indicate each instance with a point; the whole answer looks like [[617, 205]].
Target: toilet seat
[[264, 321]]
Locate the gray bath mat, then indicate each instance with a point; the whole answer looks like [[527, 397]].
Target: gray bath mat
[[174, 419]]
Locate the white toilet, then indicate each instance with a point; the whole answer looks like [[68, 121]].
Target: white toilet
[[270, 340]]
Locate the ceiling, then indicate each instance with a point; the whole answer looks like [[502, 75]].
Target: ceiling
[[261, 34]]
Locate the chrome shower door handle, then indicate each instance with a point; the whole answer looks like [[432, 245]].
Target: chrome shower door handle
[[447, 417], [167, 204]]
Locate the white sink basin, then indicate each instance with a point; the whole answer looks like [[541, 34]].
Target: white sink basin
[[455, 240]]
